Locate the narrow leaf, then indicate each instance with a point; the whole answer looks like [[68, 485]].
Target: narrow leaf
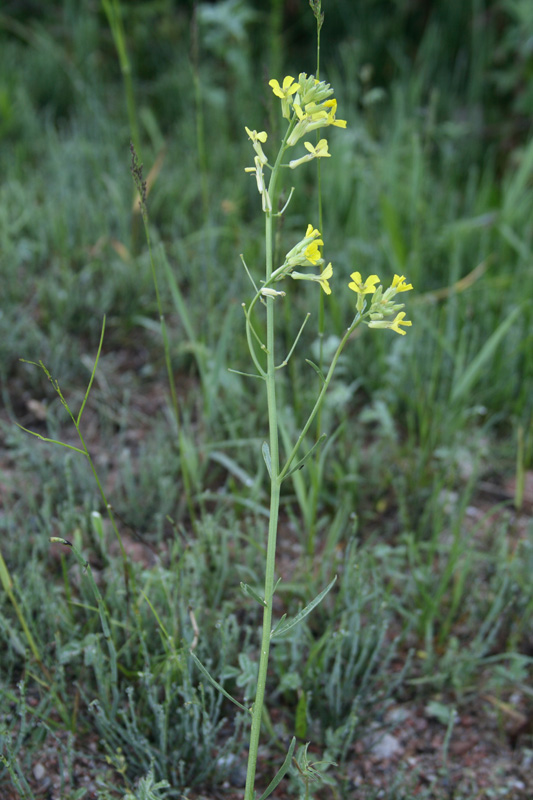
[[52, 441], [277, 625], [300, 718], [233, 468], [93, 373], [281, 772], [246, 374], [266, 455], [316, 369], [282, 628], [178, 299], [5, 577], [214, 682], [253, 594], [310, 452], [473, 370]]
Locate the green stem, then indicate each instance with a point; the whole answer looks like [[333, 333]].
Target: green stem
[[276, 476], [113, 13], [320, 397], [270, 566], [315, 473]]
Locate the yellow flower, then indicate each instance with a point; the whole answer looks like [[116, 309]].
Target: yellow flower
[[306, 253], [320, 151], [399, 320], [340, 123], [314, 232], [357, 285], [289, 87], [312, 251], [394, 324], [399, 284], [257, 140], [262, 136], [284, 92], [324, 278]]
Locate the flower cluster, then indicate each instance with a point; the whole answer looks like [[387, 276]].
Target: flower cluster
[[306, 253], [382, 303], [307, 105]]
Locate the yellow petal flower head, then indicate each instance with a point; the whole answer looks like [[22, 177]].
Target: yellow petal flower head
[[320, 151], [340, 123], [257, 140], [399, 320], [304, 254], [324, 278], [393, 325], [398, 283], [366, 287], [285, 93], [312, 252]]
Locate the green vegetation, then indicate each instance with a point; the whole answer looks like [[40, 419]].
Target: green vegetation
[[419, 498]]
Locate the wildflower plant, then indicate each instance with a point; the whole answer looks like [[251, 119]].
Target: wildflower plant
[[307, 105]]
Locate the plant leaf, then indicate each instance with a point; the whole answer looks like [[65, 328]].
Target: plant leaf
[[93, 373], [309, 453], [253, 594], [283, 626], [316, 369], [232, 467], [215, 683], [280, 621], [51, 441], [266, 455], [281, 771]]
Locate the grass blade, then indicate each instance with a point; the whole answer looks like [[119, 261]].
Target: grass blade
[[474, 369]]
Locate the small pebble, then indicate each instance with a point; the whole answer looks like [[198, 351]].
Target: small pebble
[[39, 772]]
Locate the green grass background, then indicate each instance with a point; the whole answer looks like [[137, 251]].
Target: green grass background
[[432, 179]]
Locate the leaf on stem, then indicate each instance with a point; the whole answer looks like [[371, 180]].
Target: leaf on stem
[[285, 625], [215, 683], [316, 369], [51, 441], [302, 461], [265, 449], [278, 624], [281, 771], [246, 374], [93, 373], [249, 592]]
